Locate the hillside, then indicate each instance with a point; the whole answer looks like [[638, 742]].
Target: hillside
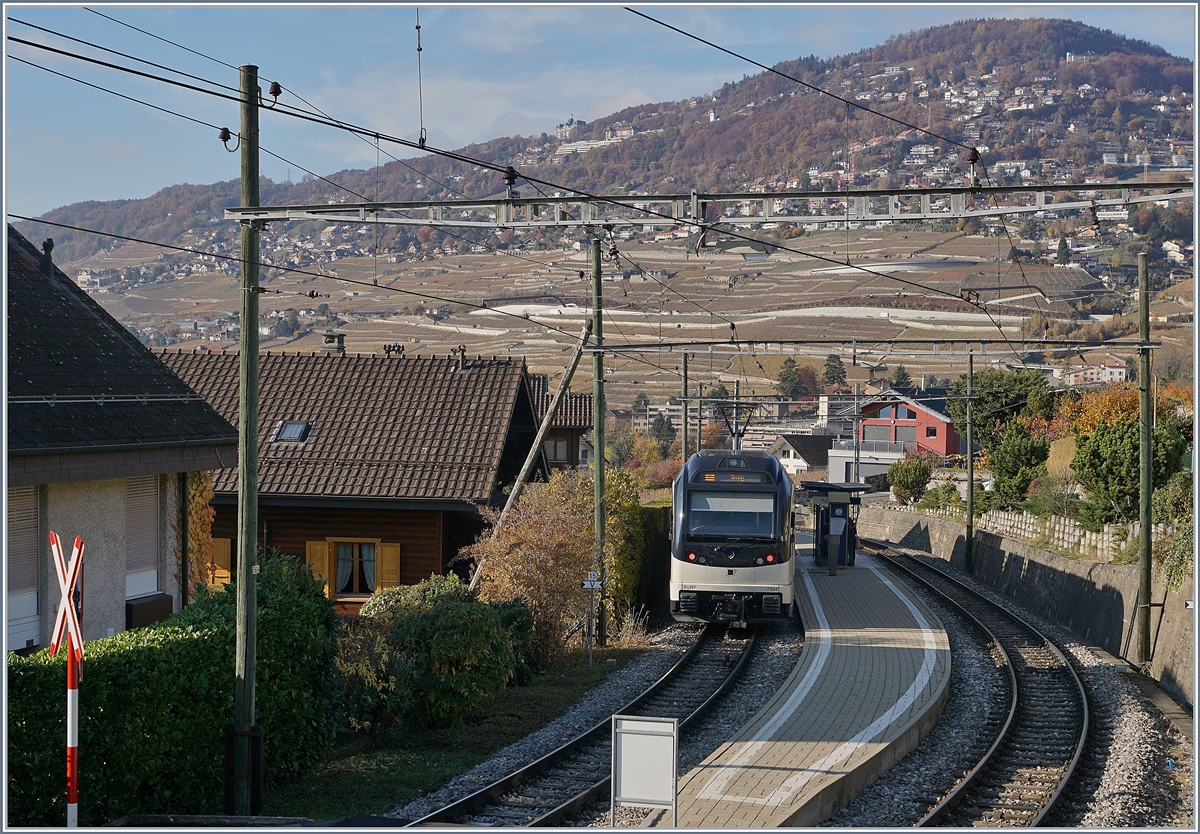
[[1004, 86]]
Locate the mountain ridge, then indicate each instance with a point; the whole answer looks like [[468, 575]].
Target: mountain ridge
[[762, 126]]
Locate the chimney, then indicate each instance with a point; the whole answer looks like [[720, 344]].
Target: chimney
[[334, 342], [47, 262]]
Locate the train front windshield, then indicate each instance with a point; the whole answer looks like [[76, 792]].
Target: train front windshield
[[726, 515]]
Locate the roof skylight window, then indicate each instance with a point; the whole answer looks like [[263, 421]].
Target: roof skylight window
[[292, 431]]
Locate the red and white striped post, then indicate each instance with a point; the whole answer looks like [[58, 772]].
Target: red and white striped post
[[67, 624]]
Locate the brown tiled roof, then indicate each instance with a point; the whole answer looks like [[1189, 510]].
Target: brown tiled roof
[[411, 428], [79, 382], [574, 412]]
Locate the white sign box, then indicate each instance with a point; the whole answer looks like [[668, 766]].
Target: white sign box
[[645, 758]]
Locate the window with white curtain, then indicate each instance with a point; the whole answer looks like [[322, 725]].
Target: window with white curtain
[[355, 567], [141, 536]]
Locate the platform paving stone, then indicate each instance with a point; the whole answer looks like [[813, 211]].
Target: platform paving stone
[[869, 684]]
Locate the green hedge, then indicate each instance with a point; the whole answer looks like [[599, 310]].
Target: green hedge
[[154, 703], [459, 653]]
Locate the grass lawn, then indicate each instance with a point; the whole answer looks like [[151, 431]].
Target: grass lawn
[[362, 777]]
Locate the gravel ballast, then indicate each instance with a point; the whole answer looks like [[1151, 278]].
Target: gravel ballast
[[1137, 769]]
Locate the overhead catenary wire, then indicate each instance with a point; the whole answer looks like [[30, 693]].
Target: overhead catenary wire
[[848, 102], [312, 294], [508, 170], [285, 88], [329, 122], [181, 116]]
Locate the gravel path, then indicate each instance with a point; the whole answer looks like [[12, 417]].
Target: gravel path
[[1137, 770]]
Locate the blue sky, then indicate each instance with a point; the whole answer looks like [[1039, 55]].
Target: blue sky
[[487, 70]]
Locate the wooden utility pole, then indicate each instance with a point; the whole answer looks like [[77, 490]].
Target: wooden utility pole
[[247, 562], [1145, 462], [598, 439], [969, 557]]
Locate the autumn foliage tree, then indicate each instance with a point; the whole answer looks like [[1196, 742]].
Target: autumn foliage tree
[[545, 548]]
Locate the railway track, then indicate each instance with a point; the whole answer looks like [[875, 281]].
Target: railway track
[[551, 788], [1040, 733]]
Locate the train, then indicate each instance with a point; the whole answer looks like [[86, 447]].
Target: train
[[732, 539]]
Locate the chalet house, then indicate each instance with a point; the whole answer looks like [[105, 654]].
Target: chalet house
[[101, 438], [371, 468], [802, 453], [894, 424], [564, 441]]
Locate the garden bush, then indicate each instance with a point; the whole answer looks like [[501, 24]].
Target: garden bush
[[459, 654], [909, 478], [154, 703], [375, 682], [384, 605], [943, 496]]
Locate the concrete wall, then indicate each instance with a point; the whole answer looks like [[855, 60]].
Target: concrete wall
[[95, 510], [1093, 600]]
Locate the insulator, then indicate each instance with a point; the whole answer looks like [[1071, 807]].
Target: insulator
[[276, 91], [224, 135]]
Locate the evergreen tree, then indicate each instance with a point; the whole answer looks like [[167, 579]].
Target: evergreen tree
[[1064, 252], [901, 377], [640, 401], [790, 385], [1015, 463], [1106, 463], [834, 372], [662, 431]]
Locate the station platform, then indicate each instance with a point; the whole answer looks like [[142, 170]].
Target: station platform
[[869, 685]]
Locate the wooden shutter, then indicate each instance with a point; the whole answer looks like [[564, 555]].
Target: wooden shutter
[[220, 570], [316, 554], [387, 566]]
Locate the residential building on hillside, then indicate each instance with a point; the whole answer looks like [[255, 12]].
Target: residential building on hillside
[[372, 468], [564, 442], [800, 454], [101, 440], [894, 424]]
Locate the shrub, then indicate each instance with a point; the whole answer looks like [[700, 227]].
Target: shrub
[[1015, 462], [546, 547], [942, 497], [459, 654], [1173, 501], [660, 473], [385, 604], [154, 703], [517, 621], [375, 682], [1051, 495], [1175, 556], [909, 478]]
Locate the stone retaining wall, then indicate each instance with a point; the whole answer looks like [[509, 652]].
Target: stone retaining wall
[[1094, 600]]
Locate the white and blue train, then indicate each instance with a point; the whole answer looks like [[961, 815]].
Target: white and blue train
[[732, 539]]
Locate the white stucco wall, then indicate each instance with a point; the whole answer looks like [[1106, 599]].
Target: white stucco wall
[[95, 510]]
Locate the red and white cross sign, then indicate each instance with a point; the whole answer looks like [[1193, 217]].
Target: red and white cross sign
[[67, 620]]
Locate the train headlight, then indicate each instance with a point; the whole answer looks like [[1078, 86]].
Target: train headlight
[[758, 561], [691, 557], [770, 558]]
